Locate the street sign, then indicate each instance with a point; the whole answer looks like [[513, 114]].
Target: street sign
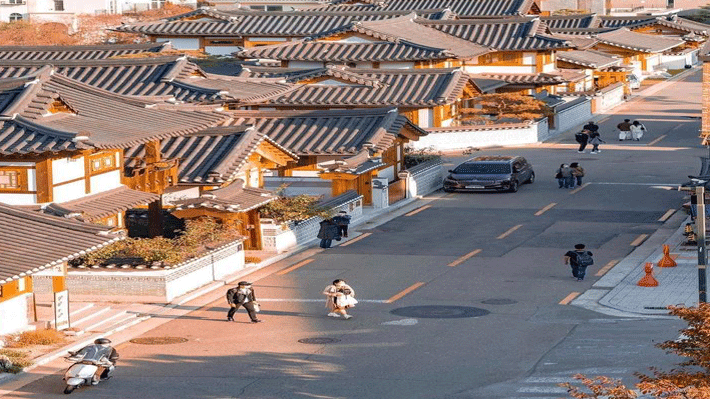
[[61, 310]]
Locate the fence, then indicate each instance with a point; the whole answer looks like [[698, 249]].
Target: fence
[[396, 191], [608, 97], [571, 114], [462, 137], [424, 178], [280, 237]]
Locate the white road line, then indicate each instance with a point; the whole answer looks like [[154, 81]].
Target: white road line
[[659, 139], [545, 209], [667, 215], [509, 232]]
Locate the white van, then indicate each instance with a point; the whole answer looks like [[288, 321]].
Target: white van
[[634, 82]]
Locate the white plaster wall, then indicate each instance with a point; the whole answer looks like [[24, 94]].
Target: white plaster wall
[[6, 10], [18, 199], [529, 58], [221, 50], [388, 173], [547, 68], [105, 181], [397, 65], [498, 69], [363, 65], [304, 173], [459, 139], [66, 169], [354, 39], [426, 118], [13, 314], [253, 178], [652, 62], [181, 43], [69, 191]]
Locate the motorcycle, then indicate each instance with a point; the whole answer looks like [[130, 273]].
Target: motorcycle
[[84, 368]]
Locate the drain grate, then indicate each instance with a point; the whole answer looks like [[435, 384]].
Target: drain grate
[[158, 340], [318, 340], [499, 301], [440, 312]]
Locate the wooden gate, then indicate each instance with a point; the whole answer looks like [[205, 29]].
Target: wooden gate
[[397, 191]]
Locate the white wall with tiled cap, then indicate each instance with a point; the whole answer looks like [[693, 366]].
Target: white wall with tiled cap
[[573, 116], [14, 315]]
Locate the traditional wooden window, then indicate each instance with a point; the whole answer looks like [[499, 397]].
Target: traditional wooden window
[[12, 179], [102, 163]]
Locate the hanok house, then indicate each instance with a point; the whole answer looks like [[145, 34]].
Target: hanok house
[[394, 43], [32, 242], [642, 52], [428, 97], [166, 78], [92, 52], [601, 69], [226, 32], [225, 165], [62, 147], [523, 55], [461, 8], [345, 149]]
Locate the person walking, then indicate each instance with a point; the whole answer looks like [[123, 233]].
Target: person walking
[[564, 176], [328, 232], [624, 130], [579, 259], [577, 172], [339, 297], [242, 295], [342, 219], [591, 127], [637, 130], [595, 139], [582, 138]]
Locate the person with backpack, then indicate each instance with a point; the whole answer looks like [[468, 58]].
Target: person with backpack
[[579, 259], [582, 138], [242, 295]]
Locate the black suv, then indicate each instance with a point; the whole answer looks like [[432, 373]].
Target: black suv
[[499, 173]]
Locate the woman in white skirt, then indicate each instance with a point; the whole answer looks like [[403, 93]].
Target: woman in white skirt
[[637, 130], [339, 298]]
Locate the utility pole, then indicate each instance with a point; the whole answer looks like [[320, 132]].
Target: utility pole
[[702, 246]]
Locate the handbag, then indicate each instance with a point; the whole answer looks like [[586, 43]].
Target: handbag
[[257, 307], [558, 175]]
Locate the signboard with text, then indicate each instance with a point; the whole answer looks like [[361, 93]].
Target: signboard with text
[[61, 310]]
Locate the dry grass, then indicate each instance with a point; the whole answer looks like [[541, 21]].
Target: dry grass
[[37, 337], [252, 259], [19, 359]]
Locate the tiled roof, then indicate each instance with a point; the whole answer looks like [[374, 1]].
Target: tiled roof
[[704, 53], [588, 58], [686, 25], [331, 51], [263, 23], [166, 77], [101, 205], [31, 241], [526, 78], [233, 198], [635, 21], [329, 132], [571, 21], [111, 120], [212, 156], [627, 39], [374, 87], [100, 52], [462, 8], [522, 33], [486, 84]]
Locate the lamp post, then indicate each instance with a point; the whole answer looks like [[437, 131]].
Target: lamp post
[[697, 198]]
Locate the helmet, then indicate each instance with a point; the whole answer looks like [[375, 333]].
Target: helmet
[[102, 341]]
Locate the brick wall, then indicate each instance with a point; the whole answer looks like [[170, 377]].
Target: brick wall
[[424, 178]]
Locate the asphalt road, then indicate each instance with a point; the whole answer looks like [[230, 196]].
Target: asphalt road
[[503, 248]]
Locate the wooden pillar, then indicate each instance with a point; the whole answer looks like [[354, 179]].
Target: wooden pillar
[[152, 152], [44, 181], [155, 218]]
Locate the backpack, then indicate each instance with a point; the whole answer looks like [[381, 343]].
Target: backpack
[[584, 259], [581, 137]]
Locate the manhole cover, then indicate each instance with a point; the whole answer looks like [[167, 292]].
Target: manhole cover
[[318, 341], [440, 312], [499, 301], [158, 340]]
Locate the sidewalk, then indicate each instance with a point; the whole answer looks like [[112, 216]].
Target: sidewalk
[[617, 292], [147, 316]]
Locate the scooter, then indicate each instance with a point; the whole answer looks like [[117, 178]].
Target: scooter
[[83, 370]]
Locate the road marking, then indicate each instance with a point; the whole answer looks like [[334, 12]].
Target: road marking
[[569, 298], [667, 215], [294, 267], [606, 268], [578, 189], [405, 292], [356, 239], [545, 209], [641, 238], [414, 212], [659, 138], [509, 232], [464, 258]]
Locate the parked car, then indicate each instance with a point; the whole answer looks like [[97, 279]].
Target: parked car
[[634, 82], [498, 173]]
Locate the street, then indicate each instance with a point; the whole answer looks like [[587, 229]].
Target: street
[[462, 296]]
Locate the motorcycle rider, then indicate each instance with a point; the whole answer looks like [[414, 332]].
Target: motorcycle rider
[[97, 351]]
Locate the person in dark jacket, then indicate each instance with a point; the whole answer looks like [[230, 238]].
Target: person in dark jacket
[[328, 232], [624, 130], [595, 139], [242, 295], [342, 219], [579, 259], [591, 127]]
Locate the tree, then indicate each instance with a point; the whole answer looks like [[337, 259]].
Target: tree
[[491, 108], [691, 380]]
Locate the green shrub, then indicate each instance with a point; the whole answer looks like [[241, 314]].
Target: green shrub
[[297, 208]]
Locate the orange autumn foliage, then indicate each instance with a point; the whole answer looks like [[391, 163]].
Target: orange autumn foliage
[[690, 380]]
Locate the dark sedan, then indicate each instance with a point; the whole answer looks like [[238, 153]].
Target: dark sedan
[[495, 173]]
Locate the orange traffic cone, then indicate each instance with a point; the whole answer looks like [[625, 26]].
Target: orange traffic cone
[[666, 261], [648, 280]]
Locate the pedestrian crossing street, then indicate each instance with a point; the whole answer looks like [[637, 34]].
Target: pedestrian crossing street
[[546, 385]]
